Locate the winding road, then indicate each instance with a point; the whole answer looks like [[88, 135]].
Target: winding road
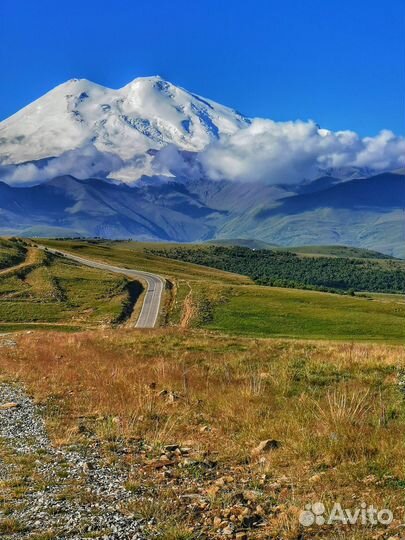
[[153, 295]]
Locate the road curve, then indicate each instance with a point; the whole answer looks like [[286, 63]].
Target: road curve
[[153, 295]]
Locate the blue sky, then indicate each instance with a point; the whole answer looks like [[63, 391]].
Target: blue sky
[[338, 62]]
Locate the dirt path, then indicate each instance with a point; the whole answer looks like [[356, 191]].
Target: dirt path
[[189, 309]]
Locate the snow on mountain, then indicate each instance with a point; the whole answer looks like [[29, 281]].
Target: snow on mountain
[[151, 127], [149, 113]]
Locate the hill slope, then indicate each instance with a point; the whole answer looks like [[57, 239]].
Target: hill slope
[[201, 296], [287, 269], [337, 251]]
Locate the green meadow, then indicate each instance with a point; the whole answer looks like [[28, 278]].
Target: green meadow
[[203, 297], [291, 313]]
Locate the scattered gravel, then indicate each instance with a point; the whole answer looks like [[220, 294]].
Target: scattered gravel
[[7, 343], [70, 492]]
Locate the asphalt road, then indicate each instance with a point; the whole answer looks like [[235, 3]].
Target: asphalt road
[[153, 295]]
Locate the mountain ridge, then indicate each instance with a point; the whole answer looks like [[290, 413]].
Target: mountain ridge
[[181, 212], [147, 113]]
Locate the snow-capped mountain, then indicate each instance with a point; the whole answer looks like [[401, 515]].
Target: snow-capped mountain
[[149, 113], [152, 128]]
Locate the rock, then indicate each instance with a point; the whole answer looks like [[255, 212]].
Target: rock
[[192, 496], [217, 522], [172, 397], [212, 491], [251, 495], [159, 463], [259, 510], [10, 405], [86, 466], [171, 447], [8, 343], [315, 478], [266, 446]]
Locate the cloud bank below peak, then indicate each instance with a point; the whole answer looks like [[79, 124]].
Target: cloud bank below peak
[[286, 152], [84, 162], [265, 151]]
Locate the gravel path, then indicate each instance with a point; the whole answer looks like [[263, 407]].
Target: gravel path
[[68, 494]]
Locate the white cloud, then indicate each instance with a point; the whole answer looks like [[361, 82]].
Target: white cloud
[[84, 162], [89, 162], [287, 152], [265, 151]]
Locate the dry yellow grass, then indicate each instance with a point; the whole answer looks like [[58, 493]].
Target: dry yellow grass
[[337, 410]]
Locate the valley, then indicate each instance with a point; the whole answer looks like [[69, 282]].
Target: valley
[[183, 210], [230, 302], [264, 376]]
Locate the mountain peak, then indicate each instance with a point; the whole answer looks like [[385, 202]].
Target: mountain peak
[[75, 81], [151, 84], [74, 86], [151, 78], [148, 113]]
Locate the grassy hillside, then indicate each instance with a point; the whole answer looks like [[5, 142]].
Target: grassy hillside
[[243, 242], [337, 251], [333, 415], [327, 251], [207, 431], [285, 269], [12, 252], [138, 255], [266, 312], [206, 297], [52, 291]]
